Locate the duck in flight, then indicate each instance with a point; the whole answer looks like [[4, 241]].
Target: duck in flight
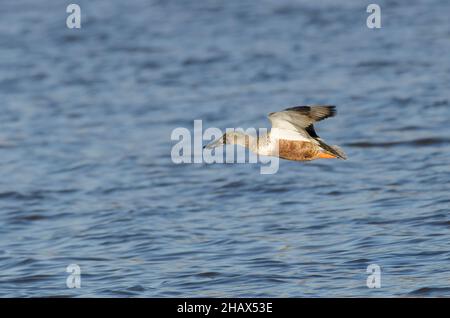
[[292, 136]]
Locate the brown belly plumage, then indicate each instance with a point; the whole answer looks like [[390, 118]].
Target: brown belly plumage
[[298, 150]]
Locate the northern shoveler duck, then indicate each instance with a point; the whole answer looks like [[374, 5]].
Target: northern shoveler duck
[[292, 136]]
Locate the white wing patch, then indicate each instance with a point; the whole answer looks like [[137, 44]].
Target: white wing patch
[[286, 134]]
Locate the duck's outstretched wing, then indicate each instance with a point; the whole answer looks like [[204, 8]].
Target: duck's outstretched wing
[[301, 118], [297, 123]]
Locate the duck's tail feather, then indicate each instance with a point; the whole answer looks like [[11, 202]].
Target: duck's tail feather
[[333, 150], [339, 152]]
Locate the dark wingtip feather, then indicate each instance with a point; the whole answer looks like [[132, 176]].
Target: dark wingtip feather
[[315, 112], [333, 110]]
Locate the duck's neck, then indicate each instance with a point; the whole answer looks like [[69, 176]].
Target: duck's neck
[[242, 139], [256, 144]]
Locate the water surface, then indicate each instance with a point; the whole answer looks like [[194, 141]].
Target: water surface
[[86, 174]]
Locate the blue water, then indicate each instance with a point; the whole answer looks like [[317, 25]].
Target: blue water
[[87, 178]]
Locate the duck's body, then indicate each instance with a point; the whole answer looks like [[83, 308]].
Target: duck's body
[[300, 150], [292, 136]]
